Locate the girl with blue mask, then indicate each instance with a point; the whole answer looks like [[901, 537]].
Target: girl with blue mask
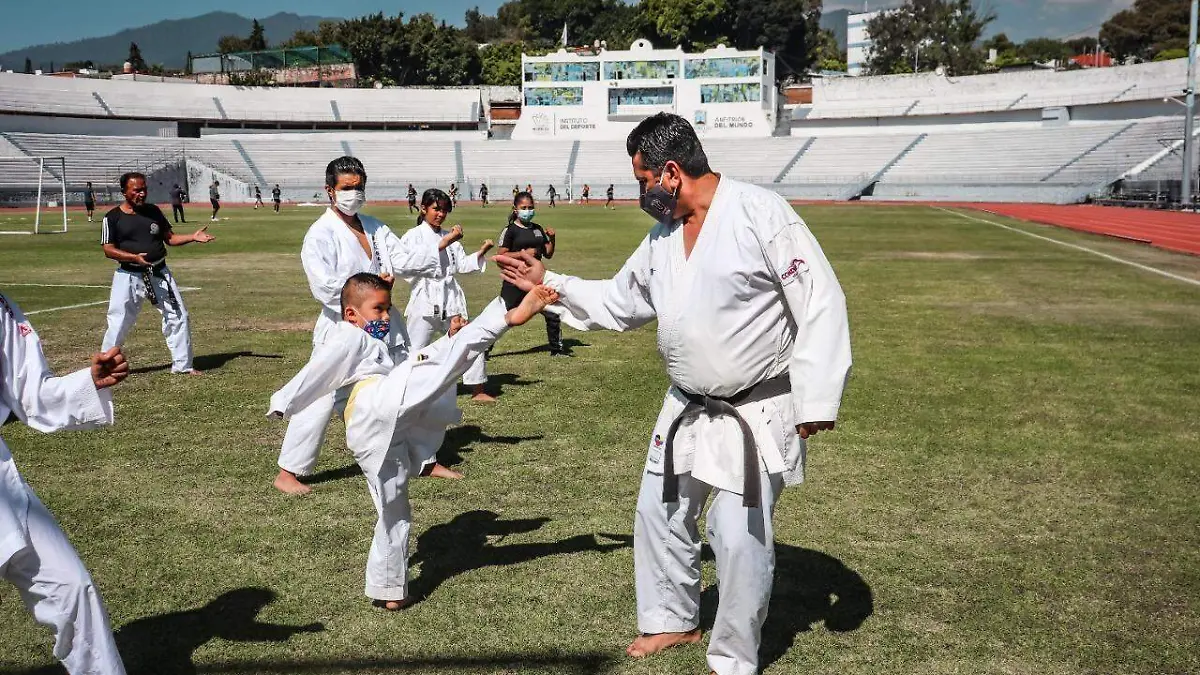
[[523, 234]]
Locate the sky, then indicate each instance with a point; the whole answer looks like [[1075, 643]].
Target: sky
[[32, 23]]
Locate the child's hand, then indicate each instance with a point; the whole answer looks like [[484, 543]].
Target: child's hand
[[486, 246], [388, 279], [550, 232], [456, 233], [456, 324]]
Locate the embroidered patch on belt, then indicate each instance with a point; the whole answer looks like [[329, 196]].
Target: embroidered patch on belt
[[658, 440], [422, 357]]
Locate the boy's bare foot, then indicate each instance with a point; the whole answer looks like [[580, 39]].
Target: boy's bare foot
[[392, 605], [645, 645], [535, 301], [481, 396], [193, 371], [287, 482], [438, 471]]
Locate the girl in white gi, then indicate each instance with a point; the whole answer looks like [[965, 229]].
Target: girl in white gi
[[35, 555], [436, 295], [385, 403], [753, 331], [136, 235], [340, 244]]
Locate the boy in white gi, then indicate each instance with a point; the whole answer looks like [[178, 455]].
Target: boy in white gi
[[753, 332], [34, 553], [343, 242], [436, 295], [386, 404], [136, 235]]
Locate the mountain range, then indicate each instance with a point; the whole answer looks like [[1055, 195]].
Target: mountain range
[[165, 42]]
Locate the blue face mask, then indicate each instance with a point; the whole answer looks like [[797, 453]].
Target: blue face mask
[[378, 328], [525, 215]]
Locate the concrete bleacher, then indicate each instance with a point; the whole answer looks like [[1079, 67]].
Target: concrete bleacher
[[125, 99]]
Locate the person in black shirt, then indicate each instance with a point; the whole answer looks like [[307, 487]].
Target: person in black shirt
[[553, 194], [178, 197], [214, 196], [89, 200], [412, 199], [276, 197], [522, 234], [136, 235], [609, 194], [483, 193], [258, 198]]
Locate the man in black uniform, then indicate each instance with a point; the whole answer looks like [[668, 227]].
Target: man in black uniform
[[177, 199], [609, 194], [412, 199], [522, 234], [258, 198], [483, 193], [214, 196], [136, 235], [276, 197], [89, 200], [553, 195]]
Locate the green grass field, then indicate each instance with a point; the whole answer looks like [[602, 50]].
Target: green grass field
[[1011, 488]]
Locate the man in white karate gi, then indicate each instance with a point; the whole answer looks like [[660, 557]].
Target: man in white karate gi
[[35, 555], [753, 331], [393, 408], [341, 243], [136, 235], [436, 296]]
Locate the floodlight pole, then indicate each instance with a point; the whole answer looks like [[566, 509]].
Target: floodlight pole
[[1189, 121]]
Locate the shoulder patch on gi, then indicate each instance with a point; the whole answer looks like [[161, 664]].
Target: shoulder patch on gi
[[793, 270], [24, 329]]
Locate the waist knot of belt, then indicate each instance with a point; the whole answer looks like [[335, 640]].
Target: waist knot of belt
[[716, 406], [147, 272]]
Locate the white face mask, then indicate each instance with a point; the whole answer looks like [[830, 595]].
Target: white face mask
[[349, 202]]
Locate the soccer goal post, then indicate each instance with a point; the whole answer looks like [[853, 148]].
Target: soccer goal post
[[40, 182]]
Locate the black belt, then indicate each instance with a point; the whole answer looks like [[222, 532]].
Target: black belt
[[157, 269], [715, 406]]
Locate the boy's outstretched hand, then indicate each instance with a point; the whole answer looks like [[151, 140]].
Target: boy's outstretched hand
[[456, 324], [536, 300]]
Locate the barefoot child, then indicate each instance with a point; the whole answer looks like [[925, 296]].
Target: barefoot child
[[387, 405]]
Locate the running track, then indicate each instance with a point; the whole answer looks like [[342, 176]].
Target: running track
[[1170, 230]]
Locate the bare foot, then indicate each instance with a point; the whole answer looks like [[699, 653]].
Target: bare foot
[[287, 482], [193, 371], [645, 645], [483, 397], [532, 305], [439, 471], [392, 605]]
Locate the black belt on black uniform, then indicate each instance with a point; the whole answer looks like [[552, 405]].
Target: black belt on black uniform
[[715, 406]]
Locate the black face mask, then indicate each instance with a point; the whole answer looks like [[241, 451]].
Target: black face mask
[[658, 203]]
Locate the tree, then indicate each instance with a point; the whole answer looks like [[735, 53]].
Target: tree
[[826, 53], [327, 33], [1083, 45], [924, 34], [692, 24], [28, 66], [1147, 28], [482, 28], [1000, 43], [187, 65], [230, 44], [1042, 50], [500, 63], [789, 28], [257, 41], [135, 58]]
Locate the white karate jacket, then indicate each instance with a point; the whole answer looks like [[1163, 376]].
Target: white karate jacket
[[435, 291]]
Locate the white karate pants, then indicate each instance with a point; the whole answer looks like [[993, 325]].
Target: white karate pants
[[666, 560], [423, 330], [387, 562], [125, 302], [59, 593], [306, 432]]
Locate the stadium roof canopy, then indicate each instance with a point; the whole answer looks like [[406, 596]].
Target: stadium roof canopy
[[271, 59]]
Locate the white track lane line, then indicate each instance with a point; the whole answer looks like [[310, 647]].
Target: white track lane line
[[1077, 247]]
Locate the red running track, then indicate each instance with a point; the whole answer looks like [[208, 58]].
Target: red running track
[[1170, 230]]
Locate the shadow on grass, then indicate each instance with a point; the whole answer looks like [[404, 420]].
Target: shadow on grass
[[810, 587], [459, 440], [461, 545], [330, 475], [496, 384], [583, 663], [163, 644], [207, 362], [570, 344]]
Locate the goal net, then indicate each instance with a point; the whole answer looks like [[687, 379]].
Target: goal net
[[33, 191]]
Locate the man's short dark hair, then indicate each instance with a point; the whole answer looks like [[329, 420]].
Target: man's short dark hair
[[666, 138], [126, 177], [357, 285], [342, 166]]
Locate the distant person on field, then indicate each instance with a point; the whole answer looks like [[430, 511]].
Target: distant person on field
[[553, 194], [587, 194], [214, 196], [609, 194], [276, 197], [483, 193], [412, 199], [136, 235], [89, 200], [178, 197], [258, 198], [522, 234], [454, 194]]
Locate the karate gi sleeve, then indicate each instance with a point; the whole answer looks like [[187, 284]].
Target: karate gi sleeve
[[39, 399], [620, 303], [467, 263], [330, 368], [320, 266], [444, 362], [820, 362], [411, 257]]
